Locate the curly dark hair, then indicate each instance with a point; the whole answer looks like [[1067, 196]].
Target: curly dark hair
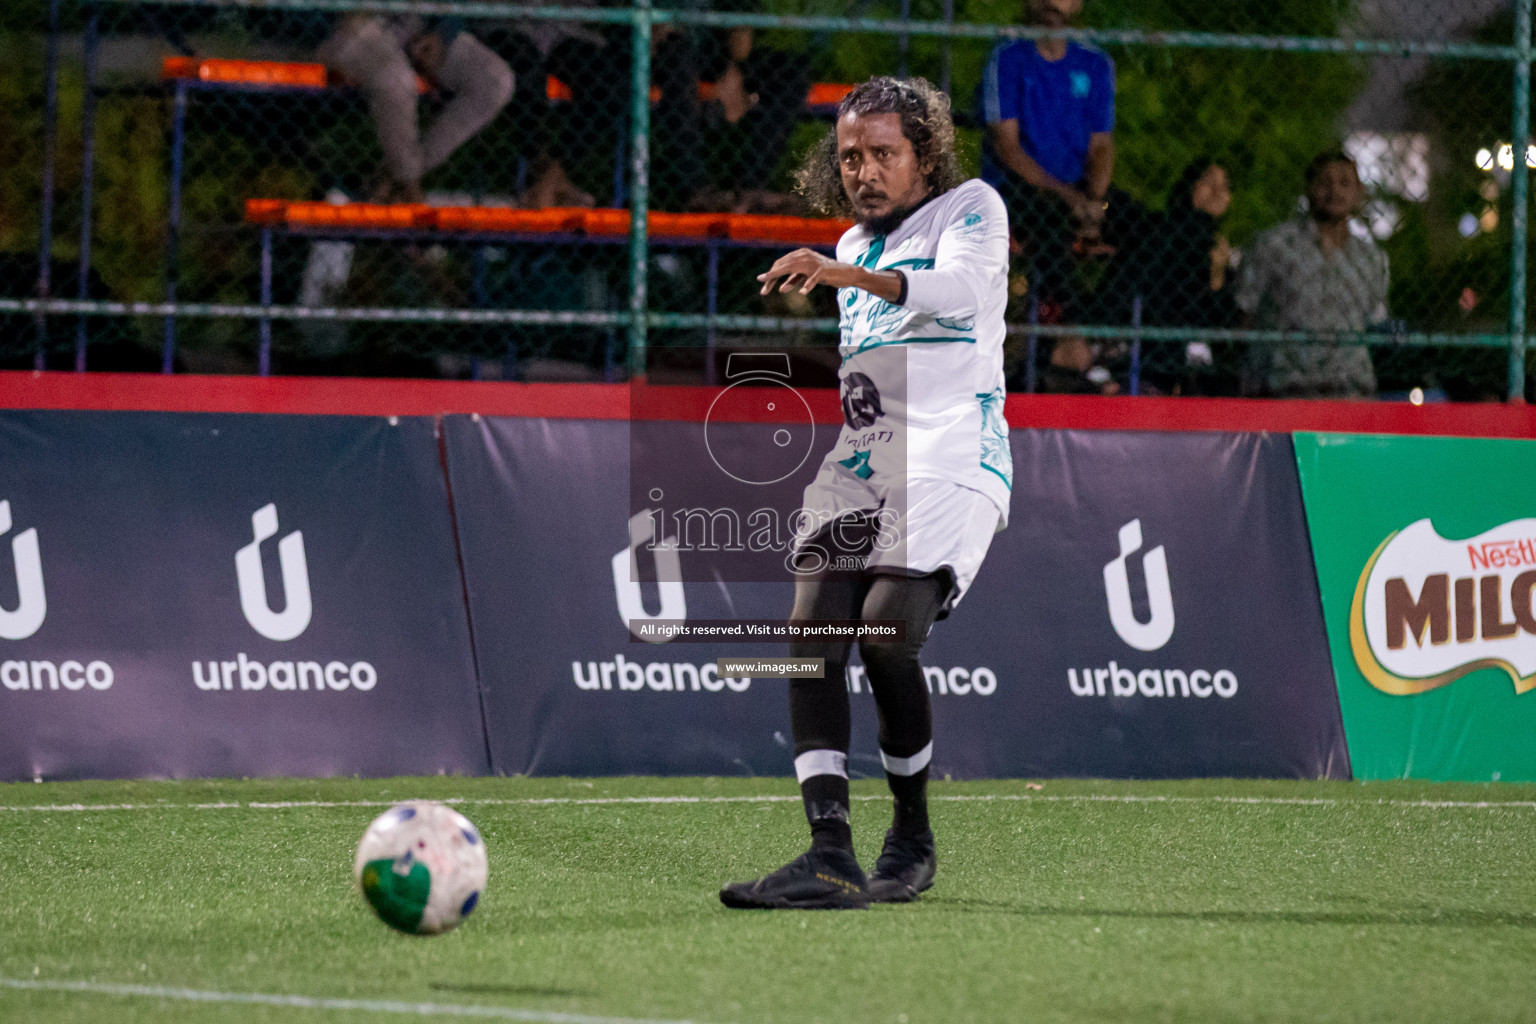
[[925, 121]]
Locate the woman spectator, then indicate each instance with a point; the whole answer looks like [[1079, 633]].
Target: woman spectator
[[1186, 262], [1183, 278]]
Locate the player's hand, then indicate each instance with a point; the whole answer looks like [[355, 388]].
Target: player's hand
[[803, 269]]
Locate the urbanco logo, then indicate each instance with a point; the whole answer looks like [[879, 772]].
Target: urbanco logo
[[32, 607], [1427, 610], [294, 618], [1158, 630], [1115, 680], [319, 675], [669, 577]]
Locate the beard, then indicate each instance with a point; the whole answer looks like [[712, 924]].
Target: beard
[[888, 222]]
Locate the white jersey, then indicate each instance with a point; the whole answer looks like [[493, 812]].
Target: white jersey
[[922, 382]]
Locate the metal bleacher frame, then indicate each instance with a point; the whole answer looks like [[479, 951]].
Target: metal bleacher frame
[[186, 75], [482, 226]]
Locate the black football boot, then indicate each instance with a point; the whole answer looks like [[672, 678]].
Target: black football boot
[[822, 878], [905, 869]]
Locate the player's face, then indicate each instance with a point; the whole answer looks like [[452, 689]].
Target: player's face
[[1335, 192], [880, 169]]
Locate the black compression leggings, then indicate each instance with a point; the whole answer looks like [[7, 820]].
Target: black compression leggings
[[818, 708]]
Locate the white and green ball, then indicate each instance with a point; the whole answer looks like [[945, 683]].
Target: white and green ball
[[422, 867]]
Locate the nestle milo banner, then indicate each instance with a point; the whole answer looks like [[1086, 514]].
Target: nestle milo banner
[[1426, 554], [214, 595], [1151, 612]]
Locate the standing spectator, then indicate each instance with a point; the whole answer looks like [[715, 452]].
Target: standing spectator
[[383, 55], [1049, 108], [1312, 273]]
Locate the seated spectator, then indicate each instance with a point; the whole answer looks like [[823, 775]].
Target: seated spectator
[[1185, 262], [1049, 108], [1312, 273], [1180, 268], [715, 155], [574, 53], [759, 93], [383, 56], [593, 62], [1074, 369]]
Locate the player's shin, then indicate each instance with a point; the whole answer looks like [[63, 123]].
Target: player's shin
[[908, 779], [901, 692], [819, 714], [823, 776]]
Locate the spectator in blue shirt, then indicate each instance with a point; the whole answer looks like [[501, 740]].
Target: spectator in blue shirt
[[1049, 108]]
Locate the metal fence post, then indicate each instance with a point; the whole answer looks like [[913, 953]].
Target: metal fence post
[[948, 55], [639, 192], [173, 222], [50, 147], [1519, 201], [87, 177]]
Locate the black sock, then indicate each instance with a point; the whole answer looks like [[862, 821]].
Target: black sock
[[901, 691], [826, 808], [911, 793]]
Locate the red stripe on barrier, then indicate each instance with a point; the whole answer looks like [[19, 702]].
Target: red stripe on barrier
[[337, 396], [1078, 412], [365, 396]]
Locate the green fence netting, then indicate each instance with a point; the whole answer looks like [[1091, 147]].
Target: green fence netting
[[140, 140]]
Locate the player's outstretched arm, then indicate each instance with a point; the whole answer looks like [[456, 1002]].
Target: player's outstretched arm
[[971, 261], [804, 269]]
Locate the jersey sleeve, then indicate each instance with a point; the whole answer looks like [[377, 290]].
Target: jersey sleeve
[[972, 258]]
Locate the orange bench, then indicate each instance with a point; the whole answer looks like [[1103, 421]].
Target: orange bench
[[740, 228], [271, 74], [561, 225]]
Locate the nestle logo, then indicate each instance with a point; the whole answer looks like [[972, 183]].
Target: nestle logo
[[1421, 618], [1502, 554]]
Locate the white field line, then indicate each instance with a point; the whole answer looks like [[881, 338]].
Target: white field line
[[261, 805], [315, 1003]]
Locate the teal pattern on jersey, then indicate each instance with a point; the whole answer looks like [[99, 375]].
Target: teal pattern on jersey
[[858, 463], [995, 453]]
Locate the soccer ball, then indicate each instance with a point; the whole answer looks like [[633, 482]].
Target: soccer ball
[[422, 867]]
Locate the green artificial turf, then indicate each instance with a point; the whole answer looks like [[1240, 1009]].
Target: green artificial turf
[[1200, 901]]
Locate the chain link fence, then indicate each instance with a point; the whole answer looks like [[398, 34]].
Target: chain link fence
[[1301, 197]]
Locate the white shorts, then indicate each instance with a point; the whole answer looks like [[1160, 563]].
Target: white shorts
[[928, 526]]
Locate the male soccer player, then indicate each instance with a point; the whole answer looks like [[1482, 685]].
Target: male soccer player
[[919, 480]]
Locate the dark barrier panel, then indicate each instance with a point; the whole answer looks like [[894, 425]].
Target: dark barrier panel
[[215, 595], [542, 510], [1151, 612]]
